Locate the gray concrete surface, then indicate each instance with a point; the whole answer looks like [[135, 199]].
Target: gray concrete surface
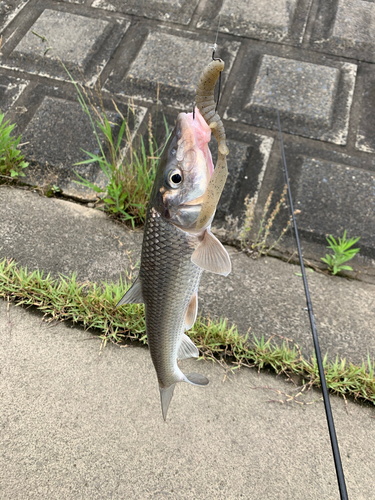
[[77, 424], [265, 295]]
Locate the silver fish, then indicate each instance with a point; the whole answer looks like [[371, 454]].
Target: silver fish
[[177, 246]]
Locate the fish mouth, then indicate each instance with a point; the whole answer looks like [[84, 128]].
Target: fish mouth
[[195, 202]]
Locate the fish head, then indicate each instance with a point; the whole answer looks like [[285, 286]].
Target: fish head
[[184, 172]]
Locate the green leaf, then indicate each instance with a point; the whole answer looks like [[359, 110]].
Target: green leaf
[[346, 268]]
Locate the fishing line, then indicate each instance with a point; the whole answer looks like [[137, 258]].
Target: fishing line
[[327, 405]]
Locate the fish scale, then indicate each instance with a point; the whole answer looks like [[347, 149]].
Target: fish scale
[[169, 280]]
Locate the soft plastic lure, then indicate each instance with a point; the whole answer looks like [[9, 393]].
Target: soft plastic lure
[[207, 107]]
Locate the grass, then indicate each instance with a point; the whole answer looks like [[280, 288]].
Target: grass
[[93, 306], [259, 245], [11, 160], [130, 172]]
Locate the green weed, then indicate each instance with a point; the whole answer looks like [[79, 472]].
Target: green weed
[[11, 160], [341, 253], [93, 306]]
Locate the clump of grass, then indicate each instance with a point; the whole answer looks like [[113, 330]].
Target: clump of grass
[[130, 172], [93, 306], [259, 245], [12, 161]]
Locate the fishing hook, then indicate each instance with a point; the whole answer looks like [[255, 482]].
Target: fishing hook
[[219, 88], [216, 59]]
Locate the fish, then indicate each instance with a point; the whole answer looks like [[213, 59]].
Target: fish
[[178, 244]]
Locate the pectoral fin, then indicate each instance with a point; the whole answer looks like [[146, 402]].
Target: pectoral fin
[[133, 295], [187, 349], [211, 256], [192, 312]]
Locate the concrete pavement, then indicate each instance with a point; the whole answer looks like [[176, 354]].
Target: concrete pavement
[[77, 424]]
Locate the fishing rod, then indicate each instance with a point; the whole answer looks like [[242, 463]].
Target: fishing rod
[[327, 404]]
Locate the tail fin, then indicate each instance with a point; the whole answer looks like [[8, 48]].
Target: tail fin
[[196, 379], [166, 395]]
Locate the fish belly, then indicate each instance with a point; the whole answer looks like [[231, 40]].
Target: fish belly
[[169, 279]]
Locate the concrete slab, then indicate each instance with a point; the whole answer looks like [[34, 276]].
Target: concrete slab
[[80, 424], [165, 65], [321, 191], [283, 21], [9, 10], [333, 191], [345, 28], [84, 44], [365, 140], [176, 11], [10, 90], [68, 132], [247, 163], [53, 227], [264, 295], [314, 99]]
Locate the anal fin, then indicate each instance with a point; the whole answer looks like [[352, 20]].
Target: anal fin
[[196, 379], [210, 255], [133, 295]]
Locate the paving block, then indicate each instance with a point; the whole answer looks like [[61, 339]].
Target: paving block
[[167, 66], [9, 10], [247, 163], [334, 192], [347, 28], [282, 21], [176, 11], [314, 99], [84, 44], [10, 90], [56, 136], [334, 198], [365, 140]]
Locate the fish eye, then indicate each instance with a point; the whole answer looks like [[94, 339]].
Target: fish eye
[[174, 178]]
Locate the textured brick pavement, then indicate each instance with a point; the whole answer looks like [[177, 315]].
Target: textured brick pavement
[[311, 59]]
